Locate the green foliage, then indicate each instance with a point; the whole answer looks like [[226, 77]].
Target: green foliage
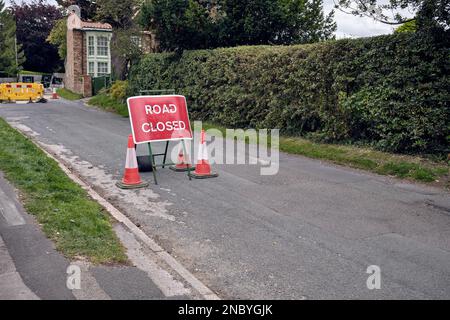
[[179, 24], [200, 24], [117, 13], [410, 26], [118, 90], [69, 95], [35, 20], [77, 224], [8, 63], [125, 50], [275, 22], [107, 102], [390, 91], [58, 37]]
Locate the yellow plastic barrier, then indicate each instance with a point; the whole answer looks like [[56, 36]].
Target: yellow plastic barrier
[[21, 92]]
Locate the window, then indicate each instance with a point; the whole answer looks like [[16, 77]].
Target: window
[[102, 46], [91, 48], [102, 69], [91, 70]]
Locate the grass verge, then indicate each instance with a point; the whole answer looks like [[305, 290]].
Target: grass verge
[[78, 225], [68, 95], [400, 166], [108, 103], [32, 73]]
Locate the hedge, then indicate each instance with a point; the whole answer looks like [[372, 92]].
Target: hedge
[[390, 91]]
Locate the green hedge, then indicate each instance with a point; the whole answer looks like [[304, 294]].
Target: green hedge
[[390, 91]]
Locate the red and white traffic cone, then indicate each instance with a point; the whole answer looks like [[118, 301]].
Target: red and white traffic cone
[[54, 94], [184, 161], [203, 168], [131, 178]]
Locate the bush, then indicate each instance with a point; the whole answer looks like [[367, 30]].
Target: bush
[[118, 90], [391, 91]]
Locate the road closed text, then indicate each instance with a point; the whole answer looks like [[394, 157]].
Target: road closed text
[[162, 126]]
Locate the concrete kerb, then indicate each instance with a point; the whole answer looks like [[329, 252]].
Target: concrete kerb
[[176, 266]]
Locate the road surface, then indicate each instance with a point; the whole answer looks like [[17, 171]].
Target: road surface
[[309, 232]]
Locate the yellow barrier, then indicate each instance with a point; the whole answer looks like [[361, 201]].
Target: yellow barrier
[[21, 91]]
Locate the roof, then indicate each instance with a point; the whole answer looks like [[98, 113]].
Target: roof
[[95, 25]]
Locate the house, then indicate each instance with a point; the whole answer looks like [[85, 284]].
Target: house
[[88, 52]]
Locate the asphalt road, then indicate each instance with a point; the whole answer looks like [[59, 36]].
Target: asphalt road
[[31, 268], [309, 232]]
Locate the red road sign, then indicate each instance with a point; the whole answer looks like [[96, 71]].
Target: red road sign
[[159, 118]]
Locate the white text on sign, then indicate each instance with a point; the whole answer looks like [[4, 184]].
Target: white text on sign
[[162, 126]]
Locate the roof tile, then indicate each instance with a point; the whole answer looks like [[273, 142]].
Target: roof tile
[[95, 25]]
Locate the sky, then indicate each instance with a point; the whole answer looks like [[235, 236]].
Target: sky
[[347, 25], [355, 27]]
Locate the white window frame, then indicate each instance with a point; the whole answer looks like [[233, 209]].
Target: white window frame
[[104, 48], [96, 59], [91, 46], [104, 71], [91, 68]]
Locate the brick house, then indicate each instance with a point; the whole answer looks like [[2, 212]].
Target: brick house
[[88, 52]]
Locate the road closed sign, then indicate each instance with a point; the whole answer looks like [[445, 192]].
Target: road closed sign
[[159, 118]]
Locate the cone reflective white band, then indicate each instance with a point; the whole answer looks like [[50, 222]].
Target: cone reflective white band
[[200, 152], [131, 162], [203, 150]]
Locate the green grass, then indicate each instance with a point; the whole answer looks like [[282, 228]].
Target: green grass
[[78, 225], [383, 163], [69, 95], [32, 73], [108, 103]]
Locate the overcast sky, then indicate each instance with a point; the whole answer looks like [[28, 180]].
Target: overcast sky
[[348, 25]]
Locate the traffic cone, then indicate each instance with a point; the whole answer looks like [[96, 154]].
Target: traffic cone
[[203, 168], [183, 163], [131, 178], [54, 94]]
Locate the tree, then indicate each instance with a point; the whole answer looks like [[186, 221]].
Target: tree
[[34, 22], [251, 22], [58, 37], [198, 24], [179, 24], [117, 13], [88, 7], [305, 22], [125, 48], [10, 63], [429, 13], [410, 26]]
